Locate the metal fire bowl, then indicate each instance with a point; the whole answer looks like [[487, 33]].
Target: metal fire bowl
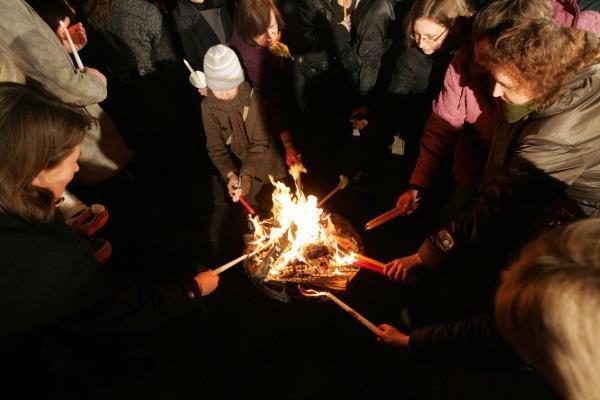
[[288, 292]]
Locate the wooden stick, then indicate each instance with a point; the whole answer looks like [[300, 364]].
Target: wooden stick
[[73, 49], [370, 260], [345, 9], [247, 205], [230, 264]]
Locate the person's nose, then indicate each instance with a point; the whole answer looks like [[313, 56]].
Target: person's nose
[[497, 92]]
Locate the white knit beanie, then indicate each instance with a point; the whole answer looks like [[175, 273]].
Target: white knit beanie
[[222, 68]]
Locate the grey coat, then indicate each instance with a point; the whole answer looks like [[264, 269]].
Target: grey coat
[[103, 151]]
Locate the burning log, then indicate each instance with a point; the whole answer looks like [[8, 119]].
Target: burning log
[[300, 244]]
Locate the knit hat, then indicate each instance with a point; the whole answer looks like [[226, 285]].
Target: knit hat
[[222, 68]]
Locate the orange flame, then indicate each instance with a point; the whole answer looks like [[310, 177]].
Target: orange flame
[[297, 225]]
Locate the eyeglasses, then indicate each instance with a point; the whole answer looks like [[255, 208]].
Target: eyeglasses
[[417, 37]]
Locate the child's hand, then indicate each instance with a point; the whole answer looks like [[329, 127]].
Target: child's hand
[[233, 186]]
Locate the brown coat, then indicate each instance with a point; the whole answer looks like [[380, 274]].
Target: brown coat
[[251, 148], [103, 151]]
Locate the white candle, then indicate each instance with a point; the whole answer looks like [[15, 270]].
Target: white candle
[[73, 49], [187, 64], [353, 312], [230, 264]]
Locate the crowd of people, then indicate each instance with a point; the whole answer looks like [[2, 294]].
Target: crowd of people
[[121, 170]]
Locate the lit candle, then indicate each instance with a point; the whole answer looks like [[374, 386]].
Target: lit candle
[[73, 49]]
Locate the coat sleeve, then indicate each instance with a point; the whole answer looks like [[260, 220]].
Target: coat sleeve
[[104, 302], [536, 174], [28, 36], [468, 341], [441, 129], [215, 144], [260, 142]]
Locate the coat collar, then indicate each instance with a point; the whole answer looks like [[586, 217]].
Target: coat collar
[[579, 90]]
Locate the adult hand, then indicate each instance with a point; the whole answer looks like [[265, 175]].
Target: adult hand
[[233, 186], [408, 202], [203, 91], [347, 23], [400, 269], [207, 282], [392, 336], [77, 33], [96, 73]]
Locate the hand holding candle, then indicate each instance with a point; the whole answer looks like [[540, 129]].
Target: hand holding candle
[[72, 45], [197, 78]]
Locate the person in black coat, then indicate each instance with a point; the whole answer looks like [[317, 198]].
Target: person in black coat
[[201, 25], [53, 292]]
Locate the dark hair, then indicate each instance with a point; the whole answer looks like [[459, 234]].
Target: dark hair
[[37, 131], [540, 56], [98, 12], [253, 17]]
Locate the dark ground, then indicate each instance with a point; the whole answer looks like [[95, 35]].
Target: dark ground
[[244, 344]]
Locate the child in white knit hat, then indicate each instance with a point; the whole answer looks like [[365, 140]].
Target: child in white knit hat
[[238, 138]]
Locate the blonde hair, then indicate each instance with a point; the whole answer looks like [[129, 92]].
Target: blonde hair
[[12, 68], [443, 12], [548, 307]]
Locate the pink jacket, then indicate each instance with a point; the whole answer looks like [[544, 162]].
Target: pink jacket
[[465, 100]]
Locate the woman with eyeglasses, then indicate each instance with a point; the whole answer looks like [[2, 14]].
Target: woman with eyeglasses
[[464, 115], [433, 29]]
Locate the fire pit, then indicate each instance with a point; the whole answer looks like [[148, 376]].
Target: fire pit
[[319, 269], [301, 245]]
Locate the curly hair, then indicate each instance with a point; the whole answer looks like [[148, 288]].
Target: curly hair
[[37, 132], [444, 12], [540, 56], [547, 307]]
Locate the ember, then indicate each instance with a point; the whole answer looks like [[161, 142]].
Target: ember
[[301, 244]]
